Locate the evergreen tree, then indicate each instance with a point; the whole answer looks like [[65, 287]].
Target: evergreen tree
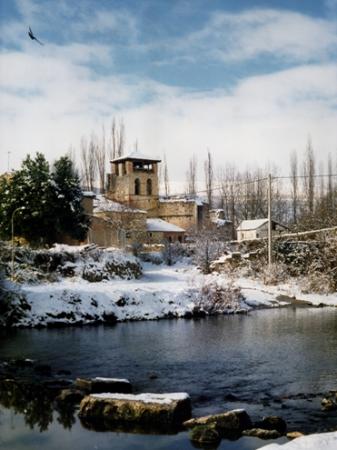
[[45, 205], [68, 213], [27, 199]]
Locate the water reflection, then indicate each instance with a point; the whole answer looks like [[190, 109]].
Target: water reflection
[[272, 362], [36, 404]]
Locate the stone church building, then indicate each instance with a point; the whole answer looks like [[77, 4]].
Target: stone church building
[[132, 212]]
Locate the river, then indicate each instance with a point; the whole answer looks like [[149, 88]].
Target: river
[[278, 361]]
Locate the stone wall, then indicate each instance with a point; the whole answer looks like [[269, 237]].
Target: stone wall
[[118, 228], [182, 213], [159, 237], [87, 203]]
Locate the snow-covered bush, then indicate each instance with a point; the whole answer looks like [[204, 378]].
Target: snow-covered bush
[[216, 298], [298, 256], [314, 261], [13, 305], [172, 252], [207, 249], [152, 257], [136, 248], [274, 274], [88, 262], [317, 282]]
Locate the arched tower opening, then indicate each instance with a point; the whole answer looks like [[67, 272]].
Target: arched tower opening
[[137, 186]]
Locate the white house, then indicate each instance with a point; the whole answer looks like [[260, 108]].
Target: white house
[[257, 229]]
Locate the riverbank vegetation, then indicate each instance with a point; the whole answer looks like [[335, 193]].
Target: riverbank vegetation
[[311, 263]]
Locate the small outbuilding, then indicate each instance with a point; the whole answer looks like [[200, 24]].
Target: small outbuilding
[[158, 231], [257, 229]]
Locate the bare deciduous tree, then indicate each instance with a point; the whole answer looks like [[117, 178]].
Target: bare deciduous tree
[[117, 139], [71, 153], [294, 183], [166, 178], [209, 174], [191, 177], [121, 139], [113, 148], [92, 165], [100, 154], [85, 163], [309, 177], [330, 194]]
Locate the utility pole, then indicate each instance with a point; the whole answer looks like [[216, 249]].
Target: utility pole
[[9, 153], [270, 256]]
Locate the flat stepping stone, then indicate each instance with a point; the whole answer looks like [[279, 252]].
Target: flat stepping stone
[[162, 411], [230, 423], [100, 385]]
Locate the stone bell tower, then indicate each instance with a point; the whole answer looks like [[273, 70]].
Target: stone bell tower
[[133, 181]]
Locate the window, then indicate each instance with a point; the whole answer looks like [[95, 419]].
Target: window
[[149, 187], [137, 186], [142, 166]]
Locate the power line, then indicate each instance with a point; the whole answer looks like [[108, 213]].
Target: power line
[[230, 184], [305, 176]]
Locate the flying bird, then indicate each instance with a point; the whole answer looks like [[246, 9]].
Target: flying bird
[[31, 35]]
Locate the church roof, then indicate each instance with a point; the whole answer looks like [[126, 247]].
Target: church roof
[[136, 155]]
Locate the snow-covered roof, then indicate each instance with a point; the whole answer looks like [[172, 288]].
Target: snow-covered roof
[[162, 225], [246, 225], [103, 204], [216, 210], [89, 194], [199, 201], [136, 155], [221, 222]]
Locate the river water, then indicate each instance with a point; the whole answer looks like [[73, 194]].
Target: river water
[[278, 361]]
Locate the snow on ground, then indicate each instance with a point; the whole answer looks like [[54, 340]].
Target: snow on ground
[[162, 291], [323, 441], [256, 293]]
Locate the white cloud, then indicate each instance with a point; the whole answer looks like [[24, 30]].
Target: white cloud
[[262, 120], [49, 102], [53, 95], [246, 35]]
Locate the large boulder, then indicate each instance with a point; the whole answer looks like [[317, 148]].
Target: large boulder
[[272, 423], [262, 433], [329, 403], [69, 396], [149, 411], [228, 424], [99, 385], [205, 435]]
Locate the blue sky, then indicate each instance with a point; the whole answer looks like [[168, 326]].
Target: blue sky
[[251, 80]]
